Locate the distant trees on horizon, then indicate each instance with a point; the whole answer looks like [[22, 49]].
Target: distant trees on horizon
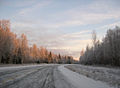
[[106, 52], [16, 50]]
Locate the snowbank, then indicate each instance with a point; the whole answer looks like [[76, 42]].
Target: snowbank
[[80, 81], [111, 76]]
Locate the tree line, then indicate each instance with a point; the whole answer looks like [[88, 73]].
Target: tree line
[[106, 52], [16, 50]]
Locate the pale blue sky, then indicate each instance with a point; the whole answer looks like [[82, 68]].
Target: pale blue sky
[[63, 26]]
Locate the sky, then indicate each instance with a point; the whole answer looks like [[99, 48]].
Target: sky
[[62, 26]]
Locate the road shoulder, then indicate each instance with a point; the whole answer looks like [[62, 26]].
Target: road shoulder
[[80, 81]]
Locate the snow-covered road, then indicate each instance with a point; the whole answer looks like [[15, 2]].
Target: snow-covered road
[[45, 76]]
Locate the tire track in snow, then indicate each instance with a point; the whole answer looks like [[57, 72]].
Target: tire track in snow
[[16, 79]]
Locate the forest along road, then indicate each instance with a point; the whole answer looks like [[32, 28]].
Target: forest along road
[[44, 76]]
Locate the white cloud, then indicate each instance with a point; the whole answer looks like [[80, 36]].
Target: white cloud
[[73, 46], [94, 13], [31, 9], [22, 3], [109, 26], [21, 25], [40, 32], [84, 18], [77, 34]]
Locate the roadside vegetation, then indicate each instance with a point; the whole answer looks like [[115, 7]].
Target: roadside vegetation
[[106, 52], [15, 50]]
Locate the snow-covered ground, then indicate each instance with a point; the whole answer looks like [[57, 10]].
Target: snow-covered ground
[[45, 76], [110, 76], [80, 81]]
